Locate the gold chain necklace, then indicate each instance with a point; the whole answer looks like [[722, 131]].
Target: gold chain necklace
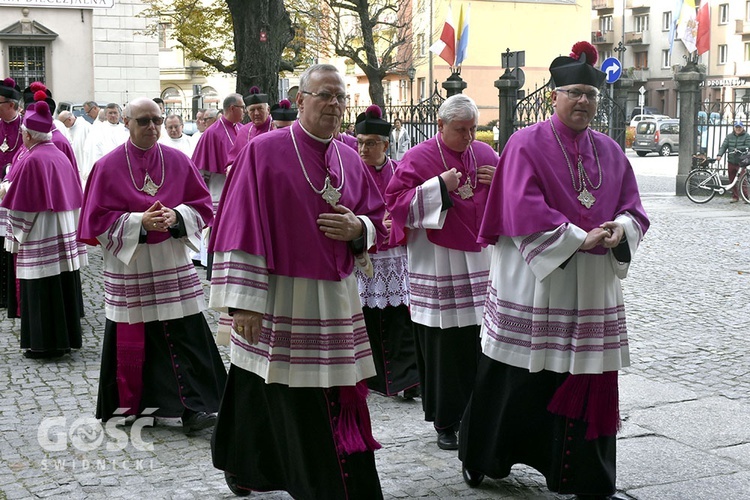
[[4, 147], [467, 190], [585, 197], [329, 193], [149, 187]]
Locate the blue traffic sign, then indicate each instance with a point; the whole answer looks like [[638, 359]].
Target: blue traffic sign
[[612, 68]]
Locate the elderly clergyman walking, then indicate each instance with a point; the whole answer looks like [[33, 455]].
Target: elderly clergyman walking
[[146, 205]]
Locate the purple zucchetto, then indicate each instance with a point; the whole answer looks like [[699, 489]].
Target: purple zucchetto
[[40, 119]]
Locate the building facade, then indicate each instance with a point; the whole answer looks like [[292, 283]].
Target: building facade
[[643, 28], [82, 50]]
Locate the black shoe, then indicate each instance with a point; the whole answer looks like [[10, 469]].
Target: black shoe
[[55, 353], [411, 393], [447, 440], [195, 421], [235, 487], [616, 496], [472, 478]]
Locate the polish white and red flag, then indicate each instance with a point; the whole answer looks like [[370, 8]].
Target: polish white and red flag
[[445, 47]]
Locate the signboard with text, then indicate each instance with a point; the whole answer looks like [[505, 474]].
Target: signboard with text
[[60, 4]]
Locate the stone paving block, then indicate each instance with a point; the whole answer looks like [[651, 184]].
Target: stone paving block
[[740, 454], [651, 460], [637, 391], [721, 487], [707, 423]]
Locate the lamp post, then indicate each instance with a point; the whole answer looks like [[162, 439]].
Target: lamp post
[[411, 72]]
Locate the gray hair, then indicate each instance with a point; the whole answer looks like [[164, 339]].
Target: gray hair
[[304, 79], [174, 116], [36, 135], [91, 104], [231, 100], [211, 113], [458, 107]]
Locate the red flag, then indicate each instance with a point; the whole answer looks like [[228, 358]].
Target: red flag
[[446, 46], [703, 39]]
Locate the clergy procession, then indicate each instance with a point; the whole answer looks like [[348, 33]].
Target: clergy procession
[[485, 287]]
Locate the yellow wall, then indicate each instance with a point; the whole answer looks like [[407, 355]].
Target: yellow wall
[[543, 30]]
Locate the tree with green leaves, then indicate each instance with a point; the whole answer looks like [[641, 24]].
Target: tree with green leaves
[[253, 39]]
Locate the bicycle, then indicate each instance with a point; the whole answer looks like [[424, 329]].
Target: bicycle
[[704, 182]]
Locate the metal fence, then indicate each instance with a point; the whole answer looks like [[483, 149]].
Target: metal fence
[[537, 107], [419, 119], [715, 121]]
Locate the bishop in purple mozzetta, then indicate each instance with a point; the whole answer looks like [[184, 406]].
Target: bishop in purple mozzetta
[[437, 199], [565, 219], [146, 205], [42, 202], [298, 213]]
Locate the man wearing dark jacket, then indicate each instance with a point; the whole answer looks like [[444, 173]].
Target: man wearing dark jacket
[[738, 139]]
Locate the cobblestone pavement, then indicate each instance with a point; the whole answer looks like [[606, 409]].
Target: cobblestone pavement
[[685, 399]]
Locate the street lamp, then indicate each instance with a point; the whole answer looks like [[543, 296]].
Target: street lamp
[[411, 72]]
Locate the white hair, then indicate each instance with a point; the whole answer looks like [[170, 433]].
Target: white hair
[[458, 107], [37, 136]]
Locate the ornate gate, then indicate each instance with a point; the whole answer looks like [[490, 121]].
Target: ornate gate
[[537, 107]]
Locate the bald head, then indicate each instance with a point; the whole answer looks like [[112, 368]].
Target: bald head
[[67, 118], [143, 119]]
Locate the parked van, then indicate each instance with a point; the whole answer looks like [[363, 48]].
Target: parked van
[[639, 118], [657, 136]]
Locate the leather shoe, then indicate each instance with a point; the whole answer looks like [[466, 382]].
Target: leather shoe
[[447, 440], [195, 421]]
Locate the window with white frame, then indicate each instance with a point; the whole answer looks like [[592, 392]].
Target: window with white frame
[[666, 21], [747, 52], [722, 54], [605, 24], [641, 23], [666, 59], [747, 10], [605, 54], [724, 13]]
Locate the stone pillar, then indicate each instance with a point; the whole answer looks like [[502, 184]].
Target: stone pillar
[[454, 85], [507, 87], [620, 121], [687, 80]]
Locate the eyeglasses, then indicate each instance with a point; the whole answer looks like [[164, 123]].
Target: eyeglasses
[[242, 107], [575, 94], [327, 96], [368, 144], [156, 120]]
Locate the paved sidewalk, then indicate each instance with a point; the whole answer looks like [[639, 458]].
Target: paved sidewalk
[[685, 399]]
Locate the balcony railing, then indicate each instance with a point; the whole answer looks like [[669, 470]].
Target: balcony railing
[[638, 4], [637, 38], [742, 27], [638, 75], [599, 38], [602, 4]]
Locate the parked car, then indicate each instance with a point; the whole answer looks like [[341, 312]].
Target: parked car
[[644, 110], [76, 108], [657, 136], [639, 118]]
